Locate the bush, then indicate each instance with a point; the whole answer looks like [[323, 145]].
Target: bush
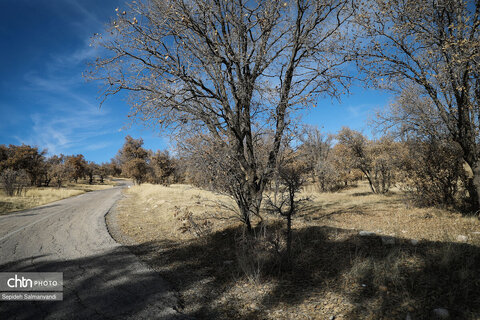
[[433, 172], [14, 181], [375, 159]]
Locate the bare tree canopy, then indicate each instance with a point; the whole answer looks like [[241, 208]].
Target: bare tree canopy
[[435, 46], [235, 68]]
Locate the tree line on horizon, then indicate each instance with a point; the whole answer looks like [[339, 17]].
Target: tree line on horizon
[[24, 166], [430, 170]]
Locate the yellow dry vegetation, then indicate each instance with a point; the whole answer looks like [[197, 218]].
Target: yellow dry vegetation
[[34, 197], [392, 214], [152, 210], [336, 272]]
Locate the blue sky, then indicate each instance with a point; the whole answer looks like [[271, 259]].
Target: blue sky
[[44, 100]]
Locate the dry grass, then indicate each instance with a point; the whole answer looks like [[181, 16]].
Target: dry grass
[[390, 214], [335, 272], [35, 197], [153, 209]]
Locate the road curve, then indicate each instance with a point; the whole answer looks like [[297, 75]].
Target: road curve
[[102, 279]]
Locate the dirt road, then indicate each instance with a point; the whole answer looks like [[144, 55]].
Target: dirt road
[[102, 280]]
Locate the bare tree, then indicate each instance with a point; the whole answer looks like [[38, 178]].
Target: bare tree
[[14, 181], [434, 46], [335, 172], [210, 164], [314, 149], [411, 116], [58, 169], [375, 159], [430, 163], [234, 68], [286, 204]]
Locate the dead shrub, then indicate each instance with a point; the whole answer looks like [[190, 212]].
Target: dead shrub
[[432, 173], [14, 182], [196, 226], [259, 253]]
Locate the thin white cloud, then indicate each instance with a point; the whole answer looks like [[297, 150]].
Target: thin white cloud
[[64, 131], [70, 119], [77, 58], [359, 110], [88, 17], [98, 146], [354, 111]]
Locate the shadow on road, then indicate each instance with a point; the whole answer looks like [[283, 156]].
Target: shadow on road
[[105, 286]]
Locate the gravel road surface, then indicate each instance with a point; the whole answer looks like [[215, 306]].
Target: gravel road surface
[[102, 279]]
